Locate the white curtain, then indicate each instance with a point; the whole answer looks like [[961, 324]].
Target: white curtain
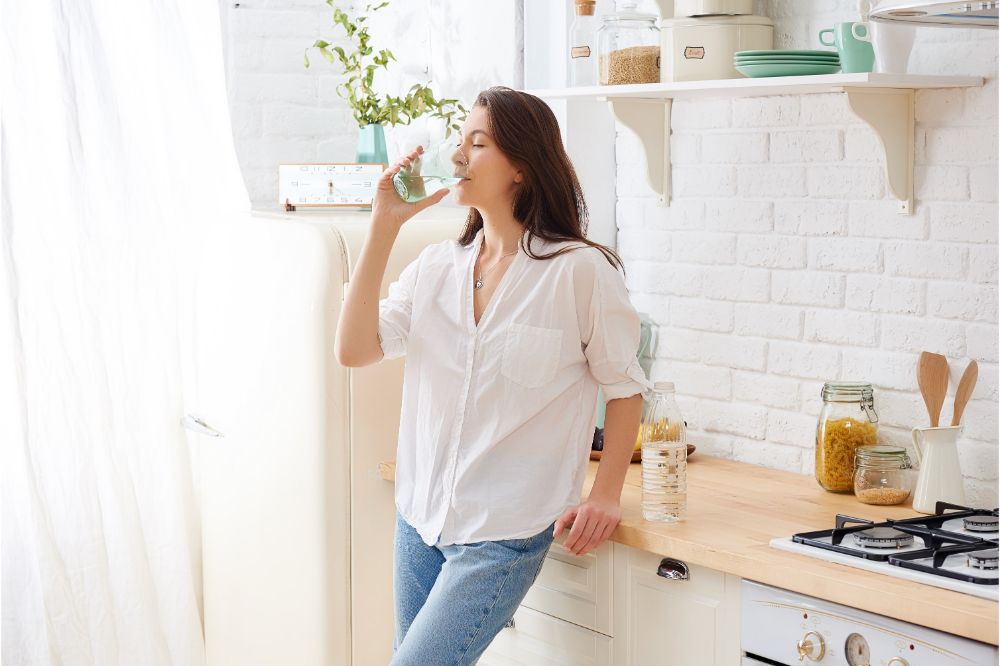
[[115, 154]]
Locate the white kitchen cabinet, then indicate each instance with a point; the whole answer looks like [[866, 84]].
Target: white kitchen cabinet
[[575, 588], [662, 621], [537, 639]]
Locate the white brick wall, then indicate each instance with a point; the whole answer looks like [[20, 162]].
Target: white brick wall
[[782, 263]]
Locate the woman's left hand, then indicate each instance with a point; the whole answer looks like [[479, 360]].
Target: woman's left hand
[[593, 522]]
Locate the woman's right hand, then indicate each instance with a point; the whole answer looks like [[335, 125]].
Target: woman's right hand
[[388, 207]]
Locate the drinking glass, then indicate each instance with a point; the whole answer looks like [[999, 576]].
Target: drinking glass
[[440, 166]]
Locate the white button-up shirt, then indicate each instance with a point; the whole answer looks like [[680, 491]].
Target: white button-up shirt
[[498, 418]]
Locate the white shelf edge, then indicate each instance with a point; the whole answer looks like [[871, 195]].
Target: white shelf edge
[[883, 101]]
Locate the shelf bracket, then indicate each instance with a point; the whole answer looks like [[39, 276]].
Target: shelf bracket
[[889, 111], [649, 119]]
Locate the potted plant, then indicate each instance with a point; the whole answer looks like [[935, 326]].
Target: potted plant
[[371, 111]]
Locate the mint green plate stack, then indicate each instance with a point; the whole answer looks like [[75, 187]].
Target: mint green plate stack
[[757, 64]]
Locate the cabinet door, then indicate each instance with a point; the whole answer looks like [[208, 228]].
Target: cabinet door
[[664, 621], [537, 639], [575, 588]]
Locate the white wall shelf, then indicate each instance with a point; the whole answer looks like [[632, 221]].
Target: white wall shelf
[[883, 101]]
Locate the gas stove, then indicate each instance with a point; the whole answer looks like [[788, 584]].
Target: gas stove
[[955, 549]]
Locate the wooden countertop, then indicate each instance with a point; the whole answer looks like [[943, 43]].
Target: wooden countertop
[[735, 509]]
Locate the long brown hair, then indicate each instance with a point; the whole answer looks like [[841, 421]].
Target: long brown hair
[[549, 201]]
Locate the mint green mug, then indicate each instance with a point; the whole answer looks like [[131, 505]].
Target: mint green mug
[[855, 55]]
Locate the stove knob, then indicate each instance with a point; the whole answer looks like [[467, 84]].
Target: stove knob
[[813, 651], [898, 661]]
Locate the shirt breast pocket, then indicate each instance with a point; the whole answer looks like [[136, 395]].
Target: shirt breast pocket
[[531, 354]]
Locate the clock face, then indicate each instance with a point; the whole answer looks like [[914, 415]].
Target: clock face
[[328, 184], [857, 651]]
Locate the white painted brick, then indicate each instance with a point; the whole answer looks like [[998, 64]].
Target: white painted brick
[[916, 335], [845, 254], [704, 248], [983, 264], [829, 109], [861, 144], [702, 315], [703, 181], [945, 145], [286, 120], [980, 420], [878, 294], [816, 145], [700, 114], [628, 148], [696, 379], [629, 213], [655, 306], [883, 369], [879, 219], [736, 284], [771, 181], [267, 153], [738, 215], [983, 183], [811, 395], [901, 409], [631, 181], [251, 87], [988, 386], [982, 342], [941, 183], [768, 321], [971, 223], [713, 444], [935, 260], [711, 348], [681, 214], [841, 327], [791, 428], [762, 389], [941, 107], [812, 288], [958, 300], [341, 147], [771, 251], [734, 148], [782, 111], [650, 244], [684, 149], [978, 460], [726, 417], [981, 493], [246, 122], [846, 182], [662, 278], [775, 456], [271, 23], [796, 359], [811, 218], [981, 102]]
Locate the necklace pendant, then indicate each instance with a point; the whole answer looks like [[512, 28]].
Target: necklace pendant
[[479, 283]]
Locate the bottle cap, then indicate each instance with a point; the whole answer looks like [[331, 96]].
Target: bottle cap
[[663, 386]]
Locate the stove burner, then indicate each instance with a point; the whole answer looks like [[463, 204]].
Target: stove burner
[[980, 523], [882, 537], [983, 559]]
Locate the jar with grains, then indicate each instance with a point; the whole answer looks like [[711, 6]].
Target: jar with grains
[[847, 421], [628, 47], [881, 474]]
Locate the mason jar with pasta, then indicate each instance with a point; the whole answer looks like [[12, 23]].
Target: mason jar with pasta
[[847, 421]]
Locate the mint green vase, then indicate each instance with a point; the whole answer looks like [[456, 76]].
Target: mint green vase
[[371, 145]]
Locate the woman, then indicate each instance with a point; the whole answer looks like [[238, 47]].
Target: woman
[[508, 332]]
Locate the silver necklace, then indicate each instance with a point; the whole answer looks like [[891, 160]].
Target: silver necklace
[[479, 282]]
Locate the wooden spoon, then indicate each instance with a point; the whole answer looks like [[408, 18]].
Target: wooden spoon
[[965, 386], [932, 378]]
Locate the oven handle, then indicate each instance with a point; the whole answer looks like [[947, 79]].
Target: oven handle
[[672, 569]]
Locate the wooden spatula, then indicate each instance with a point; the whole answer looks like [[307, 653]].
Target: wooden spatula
[[965, 387], [932, 378]]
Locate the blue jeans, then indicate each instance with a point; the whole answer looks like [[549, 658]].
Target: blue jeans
[[451, 601]]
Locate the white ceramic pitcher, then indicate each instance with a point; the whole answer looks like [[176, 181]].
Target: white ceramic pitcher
[[940, 478]]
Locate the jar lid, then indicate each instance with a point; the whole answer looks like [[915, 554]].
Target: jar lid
[[666, 387], [627, 12], [846, 391], [884, 453], [717, 20]]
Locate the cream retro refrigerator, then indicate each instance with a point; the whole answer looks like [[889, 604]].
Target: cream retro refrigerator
[[297, 523]]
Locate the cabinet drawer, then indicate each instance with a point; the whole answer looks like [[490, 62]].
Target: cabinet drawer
[[575, 588], [537, 639]]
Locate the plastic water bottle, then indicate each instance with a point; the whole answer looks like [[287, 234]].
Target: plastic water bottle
[[664, 458]]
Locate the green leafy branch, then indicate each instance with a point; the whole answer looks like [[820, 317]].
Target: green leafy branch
[[361, 62]]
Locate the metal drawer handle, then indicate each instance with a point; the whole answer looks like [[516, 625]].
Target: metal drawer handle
[[509, 624], [195, 424], [672, 569]]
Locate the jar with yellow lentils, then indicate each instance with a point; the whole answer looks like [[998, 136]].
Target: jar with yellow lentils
[[848, 420]]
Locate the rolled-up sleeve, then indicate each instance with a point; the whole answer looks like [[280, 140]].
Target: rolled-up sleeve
[[612, 334], [395, 313]]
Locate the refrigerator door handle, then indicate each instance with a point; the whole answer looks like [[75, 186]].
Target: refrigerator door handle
[[195, 424]]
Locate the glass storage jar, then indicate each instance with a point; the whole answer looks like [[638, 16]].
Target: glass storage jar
[[628, 47], [881, 474], [847, 421]]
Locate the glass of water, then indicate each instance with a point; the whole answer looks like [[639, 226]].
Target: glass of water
[[438, 167]]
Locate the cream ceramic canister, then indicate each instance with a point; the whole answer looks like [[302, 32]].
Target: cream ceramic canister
[[940, 478]]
